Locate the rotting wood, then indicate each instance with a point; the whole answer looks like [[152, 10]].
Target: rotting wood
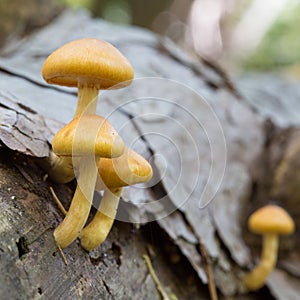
[[245, 135]]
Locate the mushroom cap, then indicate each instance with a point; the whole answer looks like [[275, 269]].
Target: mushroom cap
[[128, 169], [271, 219], [88, 135], [93, 62]]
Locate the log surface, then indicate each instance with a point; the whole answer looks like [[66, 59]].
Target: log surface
[[208, 146]]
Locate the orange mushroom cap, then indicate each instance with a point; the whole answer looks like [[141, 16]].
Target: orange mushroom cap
[[128, 169], [271, 219], [87, 135], [93, 62]]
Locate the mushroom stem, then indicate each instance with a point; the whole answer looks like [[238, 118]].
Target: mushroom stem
[[80, 207], [257, 277], [87, 100], [96, 232], [60, 169]]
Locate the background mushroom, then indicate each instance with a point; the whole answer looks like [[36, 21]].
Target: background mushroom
[[88, 138], [128, 169], [91, 65], [270, 221]]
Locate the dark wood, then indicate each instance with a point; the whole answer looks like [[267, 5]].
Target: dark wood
[[196, 107]]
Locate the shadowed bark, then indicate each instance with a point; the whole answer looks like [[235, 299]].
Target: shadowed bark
[[205, 115]]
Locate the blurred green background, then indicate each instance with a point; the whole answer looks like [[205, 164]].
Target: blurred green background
[[278, 49]]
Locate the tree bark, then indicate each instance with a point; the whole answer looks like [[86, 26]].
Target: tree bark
[[226, 156]]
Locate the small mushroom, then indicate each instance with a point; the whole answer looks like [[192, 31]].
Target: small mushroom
[[269, 221], [59, 169], [128, 169], [91, 65], [86, 138]]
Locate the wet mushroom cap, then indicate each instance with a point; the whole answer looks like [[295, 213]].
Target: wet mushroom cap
[[271, 219], [91, 61], [128, 169], [88, 135]]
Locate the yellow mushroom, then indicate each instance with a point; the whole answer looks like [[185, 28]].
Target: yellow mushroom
[[128, 169], [269, 221], [87, 139], [89, 64]]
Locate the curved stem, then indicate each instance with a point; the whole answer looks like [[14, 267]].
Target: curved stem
[[87, 100], [96, 232], [80, 207], [257, 277]]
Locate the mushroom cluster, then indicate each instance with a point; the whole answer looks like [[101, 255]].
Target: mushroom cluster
[[89, 144]]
